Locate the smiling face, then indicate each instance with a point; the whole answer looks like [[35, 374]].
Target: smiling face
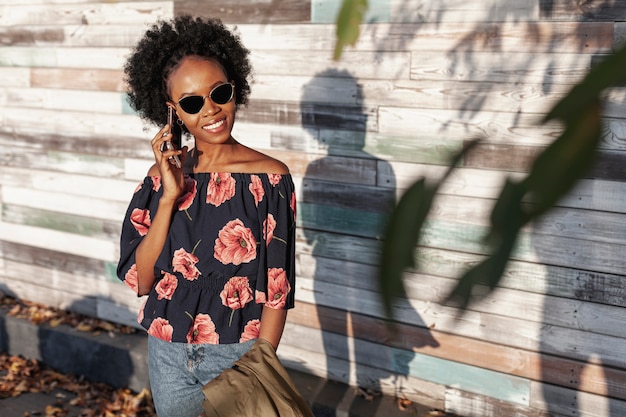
[[196, 76]]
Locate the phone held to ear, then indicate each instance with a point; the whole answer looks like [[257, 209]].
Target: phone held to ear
[[167, 145]]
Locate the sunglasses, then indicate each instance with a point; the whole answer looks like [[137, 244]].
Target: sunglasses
[[221, 94]]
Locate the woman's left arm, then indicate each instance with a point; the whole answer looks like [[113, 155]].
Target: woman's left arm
[[272, 325]]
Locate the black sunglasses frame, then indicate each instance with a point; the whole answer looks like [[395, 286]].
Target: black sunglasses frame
[[194, 102]]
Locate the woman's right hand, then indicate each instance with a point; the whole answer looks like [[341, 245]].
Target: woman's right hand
[[172, 179]]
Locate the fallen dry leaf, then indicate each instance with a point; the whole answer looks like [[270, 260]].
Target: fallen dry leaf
[[19, 375]]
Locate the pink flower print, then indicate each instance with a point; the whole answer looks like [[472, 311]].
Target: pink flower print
[[277, 288], [161, 329], [269, 225], [260, 297], [140, 218], [185, 200], [235, 244], [251, 331], [220, 189], [203, 330], [236, 293], [274, 179], [166, 286], [185, 263], [130, 278], [156, 183], [293, 205], [256, 188]]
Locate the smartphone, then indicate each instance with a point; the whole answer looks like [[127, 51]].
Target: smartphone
[[168, 143]]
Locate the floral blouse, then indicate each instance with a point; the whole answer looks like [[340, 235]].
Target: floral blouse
[[230, 250]]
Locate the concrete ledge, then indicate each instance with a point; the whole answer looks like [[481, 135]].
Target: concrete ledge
[[120, 361]]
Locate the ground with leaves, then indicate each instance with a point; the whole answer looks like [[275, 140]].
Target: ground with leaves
[[20, 376]]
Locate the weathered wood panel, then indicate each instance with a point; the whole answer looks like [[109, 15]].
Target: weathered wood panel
[[423, 79], [250, 11]]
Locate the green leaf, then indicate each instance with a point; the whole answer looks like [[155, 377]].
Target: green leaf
[[349, 19]]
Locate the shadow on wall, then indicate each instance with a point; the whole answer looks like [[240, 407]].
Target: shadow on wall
[[119, 360], [343, 209], [582, 317]]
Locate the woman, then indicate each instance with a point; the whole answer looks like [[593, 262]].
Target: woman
[[210, 242]]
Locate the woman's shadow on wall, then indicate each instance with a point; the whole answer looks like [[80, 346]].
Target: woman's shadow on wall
[[346, 197]]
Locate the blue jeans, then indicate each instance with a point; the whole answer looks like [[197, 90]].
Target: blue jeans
[[178, 371]]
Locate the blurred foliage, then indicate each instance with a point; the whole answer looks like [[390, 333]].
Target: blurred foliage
[[552, 175], [348, 20]]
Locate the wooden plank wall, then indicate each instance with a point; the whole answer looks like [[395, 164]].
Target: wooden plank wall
[[425, 77]]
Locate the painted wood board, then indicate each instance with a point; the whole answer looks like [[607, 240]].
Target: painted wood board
[[360, 197], [75, 35], [99, 58], [106, 149], [63, 161], [344, 247], [78, 79], [318, 364], [247, 11], [586, 194], [89, 126], [451, 124], [312, 63], [83, 185], [55, 259], [326, 11], [331, 168], [63, 99], [567, 402], [318, 110], [546, 69], [593, 10], [15, 77], [99, 249], [560, 221], [134, 13], [59, 298], [48, 220], [473, 405], [401, 362], [73, 205], [463, 95]]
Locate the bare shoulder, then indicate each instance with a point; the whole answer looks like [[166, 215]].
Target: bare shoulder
[[259, 162], [153, 171]]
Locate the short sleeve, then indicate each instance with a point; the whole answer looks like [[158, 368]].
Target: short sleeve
[[275, 286], [134, 227]]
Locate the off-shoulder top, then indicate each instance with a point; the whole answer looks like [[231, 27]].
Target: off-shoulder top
[[229, 251]]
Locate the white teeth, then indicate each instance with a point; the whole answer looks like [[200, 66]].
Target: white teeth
[[214, 125]]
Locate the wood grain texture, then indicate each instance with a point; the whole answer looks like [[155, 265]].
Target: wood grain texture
[[423, 79], [254, 11]]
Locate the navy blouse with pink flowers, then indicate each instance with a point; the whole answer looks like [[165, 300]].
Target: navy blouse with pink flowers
[[230, 250]]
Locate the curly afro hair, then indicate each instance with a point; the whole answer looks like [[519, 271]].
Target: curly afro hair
[[163, 47]]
